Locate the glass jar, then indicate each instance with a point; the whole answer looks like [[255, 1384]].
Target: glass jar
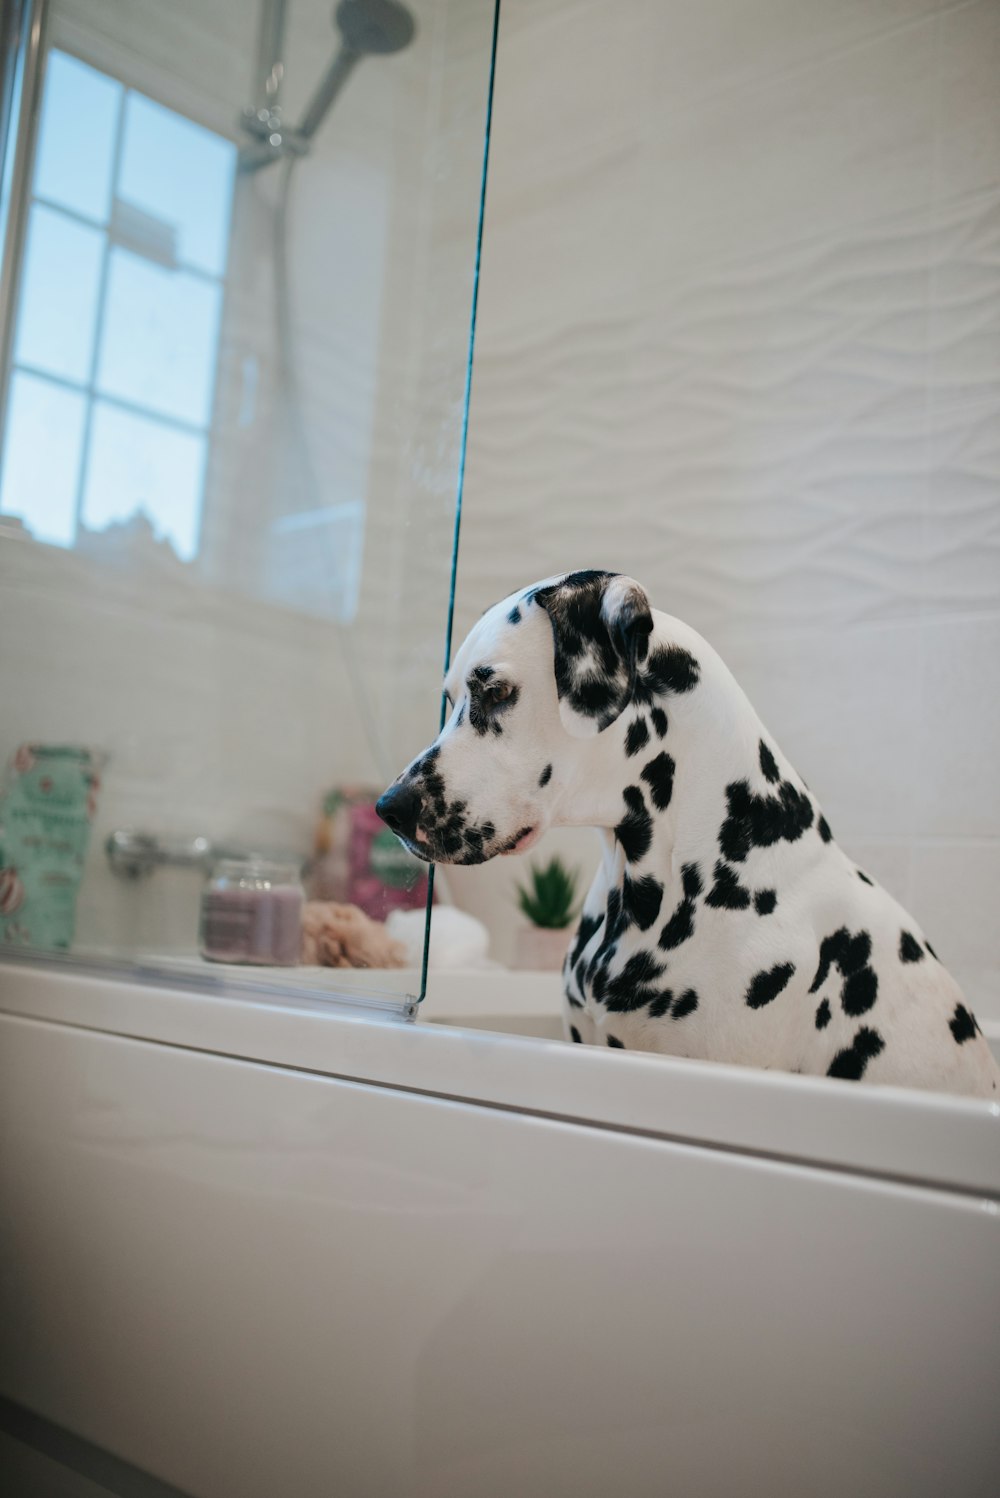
[[251, 912]]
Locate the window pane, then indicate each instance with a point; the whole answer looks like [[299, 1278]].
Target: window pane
[[138, 465], [42, 457], [159, 338], [181, 173], [62, 273], [76, 143]]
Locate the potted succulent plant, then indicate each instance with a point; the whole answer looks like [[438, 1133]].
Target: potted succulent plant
[[548, 900]]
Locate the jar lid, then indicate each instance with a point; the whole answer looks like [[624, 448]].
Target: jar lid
[[255, 872]]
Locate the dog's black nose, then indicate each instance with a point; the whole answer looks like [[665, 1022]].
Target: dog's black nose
[[399, 809]]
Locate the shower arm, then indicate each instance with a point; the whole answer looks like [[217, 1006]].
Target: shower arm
[[367, 28], [276, 138]]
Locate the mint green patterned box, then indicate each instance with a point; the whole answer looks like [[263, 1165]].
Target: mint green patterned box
[[48, 802]]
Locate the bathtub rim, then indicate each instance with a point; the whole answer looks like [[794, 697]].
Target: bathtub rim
[[927, 1139]]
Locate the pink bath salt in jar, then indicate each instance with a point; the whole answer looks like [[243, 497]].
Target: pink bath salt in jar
[[251, 912]]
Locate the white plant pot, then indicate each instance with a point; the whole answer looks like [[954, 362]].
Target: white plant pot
[[540, 948]]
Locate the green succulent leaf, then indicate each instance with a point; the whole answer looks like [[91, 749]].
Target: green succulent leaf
[[549, 897]]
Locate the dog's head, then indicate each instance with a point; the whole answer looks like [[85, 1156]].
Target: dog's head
[[546, 670]]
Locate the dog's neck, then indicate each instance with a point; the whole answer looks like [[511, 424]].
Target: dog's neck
[[713, 737]]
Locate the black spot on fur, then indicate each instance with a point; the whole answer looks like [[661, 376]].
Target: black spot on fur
[[758, 821], [727, 893], [483, 673], [573, 1001], [860, 991], [764, 901], [660, 1006], [769, 764], [823, 1015], [614, 924], [670, 669], [932, 951], [630, 989], [637, 737], [681, 924], [589, 925], [659, 718], [910, 949], [635, 830], [679, 927], [686, 1004], [659, 776], [545, 776], [766, 986], [575, 1035], [618, 1045], [850, 1064], [962, 1024], [864, 877], [641, 900], [823, 828], [514, 617], [849, 953]]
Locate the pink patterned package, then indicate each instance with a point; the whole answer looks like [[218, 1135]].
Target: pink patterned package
[[360, 862]]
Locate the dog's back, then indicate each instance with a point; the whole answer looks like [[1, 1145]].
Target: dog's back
[[768, 946]]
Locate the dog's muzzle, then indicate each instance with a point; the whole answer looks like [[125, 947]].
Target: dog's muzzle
[[400, 807]]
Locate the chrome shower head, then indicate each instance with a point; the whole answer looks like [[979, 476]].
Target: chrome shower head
[[375, 26]]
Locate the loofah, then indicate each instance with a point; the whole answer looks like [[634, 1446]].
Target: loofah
[[343, 936]]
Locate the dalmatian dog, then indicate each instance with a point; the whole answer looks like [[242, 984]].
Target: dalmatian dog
[[724, 922]]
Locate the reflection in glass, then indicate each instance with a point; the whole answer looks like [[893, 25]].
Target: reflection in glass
[[62, 274], [142, 466], [182, 174], [42, 457], [159, 337], [239, 419], [76, 144]]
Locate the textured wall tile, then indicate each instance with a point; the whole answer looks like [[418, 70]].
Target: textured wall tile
[[968, 120], [957, 768], [699, 51], [964, 326], [962, 526], [819, 151], [955, 888], [764, 381], [890, 864]]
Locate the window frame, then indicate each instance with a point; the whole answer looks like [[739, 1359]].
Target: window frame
[[88, 389]]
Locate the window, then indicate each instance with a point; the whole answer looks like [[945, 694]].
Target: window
[[110, 397]]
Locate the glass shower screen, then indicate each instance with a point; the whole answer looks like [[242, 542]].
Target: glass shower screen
[[240, 243]]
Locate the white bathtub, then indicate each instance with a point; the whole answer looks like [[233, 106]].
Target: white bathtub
[[276, 1250]]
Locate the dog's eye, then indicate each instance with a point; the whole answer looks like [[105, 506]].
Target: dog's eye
[[497, 691]]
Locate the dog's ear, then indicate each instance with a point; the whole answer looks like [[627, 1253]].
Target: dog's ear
[[601, 623]]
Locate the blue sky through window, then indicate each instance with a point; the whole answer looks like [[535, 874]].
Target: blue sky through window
[[120, 304]]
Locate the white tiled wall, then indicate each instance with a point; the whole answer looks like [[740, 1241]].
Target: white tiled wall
[[739, 336]]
